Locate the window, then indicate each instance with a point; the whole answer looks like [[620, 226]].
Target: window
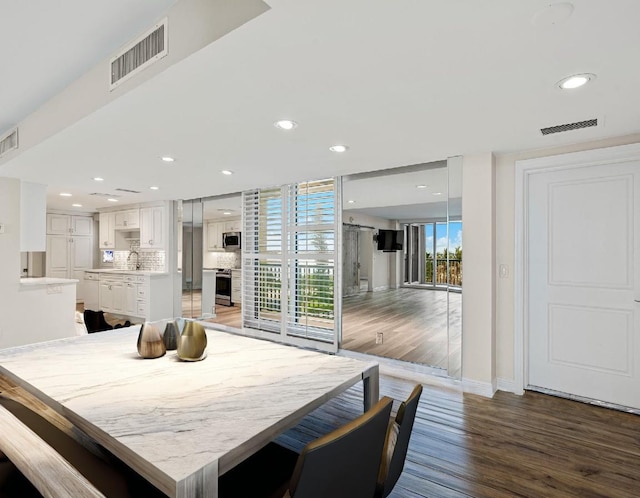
[[289, 255]]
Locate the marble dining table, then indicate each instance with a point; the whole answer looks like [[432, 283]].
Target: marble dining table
[[183, 424]]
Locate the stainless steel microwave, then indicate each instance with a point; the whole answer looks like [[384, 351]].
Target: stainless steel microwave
[[231, 241]]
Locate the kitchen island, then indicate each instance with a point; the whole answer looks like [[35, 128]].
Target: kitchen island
[[47, 306]]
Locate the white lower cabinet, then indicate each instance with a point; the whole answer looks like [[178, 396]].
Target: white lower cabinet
[[134, 295], [236, 287]]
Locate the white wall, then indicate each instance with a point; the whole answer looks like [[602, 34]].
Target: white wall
[[478, 310], [505, 236], [10, 327], [26, 316]]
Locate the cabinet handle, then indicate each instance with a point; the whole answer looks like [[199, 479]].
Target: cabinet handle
[[151, 242]]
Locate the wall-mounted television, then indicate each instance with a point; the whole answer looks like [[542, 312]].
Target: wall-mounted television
[[390, 240]]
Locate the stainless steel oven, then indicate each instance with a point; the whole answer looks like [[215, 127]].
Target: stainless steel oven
[[223, 287]]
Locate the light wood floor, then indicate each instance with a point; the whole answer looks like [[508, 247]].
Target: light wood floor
[[413, 323], [534, 445]]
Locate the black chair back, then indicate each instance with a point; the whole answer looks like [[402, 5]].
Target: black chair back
[[397, 443], [345, 462]]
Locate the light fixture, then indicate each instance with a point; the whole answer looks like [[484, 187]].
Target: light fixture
[[226, 212], [167, 159], [338, 148], [77, 205], [154, 188], [575, 81], [437, 193], [98, 179], [112, 200], [226, 172], [285, 124], [421, 186], [351, 202], [65, 194]]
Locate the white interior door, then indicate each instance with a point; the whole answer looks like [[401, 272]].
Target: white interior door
[[582, 309]]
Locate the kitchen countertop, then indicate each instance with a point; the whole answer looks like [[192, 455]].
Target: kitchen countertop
[[127, 272], [42, 281]]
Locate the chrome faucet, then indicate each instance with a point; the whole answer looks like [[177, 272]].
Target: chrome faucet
[[131, 253]]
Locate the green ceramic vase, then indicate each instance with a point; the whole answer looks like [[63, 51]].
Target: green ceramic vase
[[193, 342]]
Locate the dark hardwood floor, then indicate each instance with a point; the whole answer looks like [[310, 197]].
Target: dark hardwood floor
[[510, 446], [533, 446]]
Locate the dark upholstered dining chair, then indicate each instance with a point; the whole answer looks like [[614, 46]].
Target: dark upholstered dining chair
[[397, 443], [341, 464]]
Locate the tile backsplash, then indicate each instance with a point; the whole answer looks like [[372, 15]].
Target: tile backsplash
[[221, 259], [148, 260]]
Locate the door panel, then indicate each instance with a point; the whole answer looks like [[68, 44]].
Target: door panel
[[582, 242], [350, 270]]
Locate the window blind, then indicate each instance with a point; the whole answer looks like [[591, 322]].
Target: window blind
[[289, 256]]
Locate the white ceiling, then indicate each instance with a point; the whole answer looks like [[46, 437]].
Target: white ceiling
[[47, 45], [400, 82]]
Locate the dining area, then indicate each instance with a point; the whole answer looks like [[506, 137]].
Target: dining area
[[195, 428]]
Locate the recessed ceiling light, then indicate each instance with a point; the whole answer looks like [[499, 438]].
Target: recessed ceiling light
[[227, 212], [154, 188], [226, 172], [65, 194], [112, 200], [351, 202], [77, 205], [167, 159], [98, 179], [421, 186], [338, 148], [575, 81], [285, 124], [437, 193]]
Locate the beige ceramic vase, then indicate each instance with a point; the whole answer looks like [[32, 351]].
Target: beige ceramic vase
[[193, 342], [150, 343]]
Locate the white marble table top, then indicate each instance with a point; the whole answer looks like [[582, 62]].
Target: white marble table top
[[181, 424]]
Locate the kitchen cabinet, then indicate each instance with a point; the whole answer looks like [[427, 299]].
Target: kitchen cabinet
[[65, 224], [107, 231], [135, 295], [215, 229], [127, 220], [152, 229], [111, 294], [91, 291], [68, 257], [233, 225], [236, 287]]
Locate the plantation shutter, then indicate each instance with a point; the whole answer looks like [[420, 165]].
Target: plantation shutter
[[289, 257]]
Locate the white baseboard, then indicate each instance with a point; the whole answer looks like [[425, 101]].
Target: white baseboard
[[486, 389], [381, 288], [509, 385]]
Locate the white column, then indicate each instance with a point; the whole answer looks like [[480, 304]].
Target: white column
[[478, 291]]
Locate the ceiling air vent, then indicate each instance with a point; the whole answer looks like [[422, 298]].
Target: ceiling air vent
[[127, 191], [568, 127], [139, 54], [101, 194], [9, 142]]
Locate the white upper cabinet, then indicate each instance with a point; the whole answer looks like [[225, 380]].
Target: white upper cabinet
[[65, 224], [233, 225], [107, 231], [215, 230], [127, 220], [152, 230]]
